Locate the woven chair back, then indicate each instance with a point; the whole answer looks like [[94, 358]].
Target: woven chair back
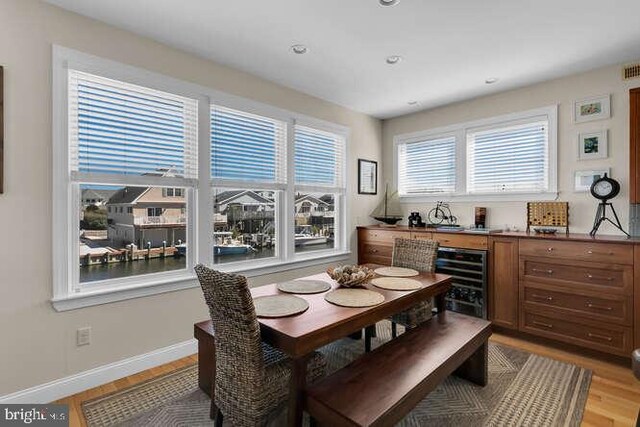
[[417, 254], [239, 361]]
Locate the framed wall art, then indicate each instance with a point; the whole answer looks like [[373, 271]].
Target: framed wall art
[[584, 179], [367, 177], [593, 145], [595, 108]]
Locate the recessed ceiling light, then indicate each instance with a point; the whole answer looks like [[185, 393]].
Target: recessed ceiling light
[[299, 49], [412, 102], [393, 59], [491, 80], [388, 2]]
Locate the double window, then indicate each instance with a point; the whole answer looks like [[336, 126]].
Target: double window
[[189, 175], [507, 157]]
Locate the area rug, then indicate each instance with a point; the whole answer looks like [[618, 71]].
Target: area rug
[[524, 390]]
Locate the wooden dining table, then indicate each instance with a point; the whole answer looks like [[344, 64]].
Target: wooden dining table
[[323, 323]]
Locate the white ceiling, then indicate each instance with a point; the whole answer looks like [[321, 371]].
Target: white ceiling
[[449, 47]]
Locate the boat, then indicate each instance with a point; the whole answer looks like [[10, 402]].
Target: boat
[[304, 237], [388, 211], [224, 244]]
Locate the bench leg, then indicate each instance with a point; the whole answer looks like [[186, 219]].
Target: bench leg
[[368, 333], [475, 368]]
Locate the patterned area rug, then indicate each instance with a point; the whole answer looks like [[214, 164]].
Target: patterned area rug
[[524, 390]]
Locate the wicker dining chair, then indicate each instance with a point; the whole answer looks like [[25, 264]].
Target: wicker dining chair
[[251, 377], [420, 255]]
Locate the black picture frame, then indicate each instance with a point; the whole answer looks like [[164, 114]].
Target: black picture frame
[[366, 168]]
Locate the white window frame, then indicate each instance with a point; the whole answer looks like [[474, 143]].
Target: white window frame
[[460, 130], [67, 295]]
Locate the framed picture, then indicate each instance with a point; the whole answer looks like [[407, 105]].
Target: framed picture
[[367, 177], [596, 108], [592, 145], [584, 179]]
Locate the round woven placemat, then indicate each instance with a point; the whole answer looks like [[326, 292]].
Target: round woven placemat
[[396, 272], [396, 283], [349, 297], [279, 305], [304, 286]]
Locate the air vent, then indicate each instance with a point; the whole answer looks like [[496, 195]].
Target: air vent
[[631, 71]]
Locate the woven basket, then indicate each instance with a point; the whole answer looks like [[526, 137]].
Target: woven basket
[[350, 276]]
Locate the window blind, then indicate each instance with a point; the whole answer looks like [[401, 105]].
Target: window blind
[[427, 167], [247, 146], [509, 159], [123, 129], [319, 157]]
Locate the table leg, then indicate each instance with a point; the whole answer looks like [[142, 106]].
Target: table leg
[[441, 303], [296, 390]]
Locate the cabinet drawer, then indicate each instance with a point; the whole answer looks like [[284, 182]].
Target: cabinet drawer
[[461, 241], [374, 253], [614, 309], [421, 235], [604, 337], [614, 278], [384, 236], [609, 253]]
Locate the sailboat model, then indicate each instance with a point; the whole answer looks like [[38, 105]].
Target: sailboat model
[[388, 211]]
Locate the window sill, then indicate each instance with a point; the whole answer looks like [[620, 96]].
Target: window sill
[[106, 296], [511, 197]]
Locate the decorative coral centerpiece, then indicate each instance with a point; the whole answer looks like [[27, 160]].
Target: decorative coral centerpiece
[[350, 276]]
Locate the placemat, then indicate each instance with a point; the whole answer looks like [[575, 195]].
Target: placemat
[[304, 286], [396, 283], [349, 297], [279, 305], [396, 272]]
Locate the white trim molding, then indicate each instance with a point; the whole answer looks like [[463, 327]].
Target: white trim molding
[[67, 386]]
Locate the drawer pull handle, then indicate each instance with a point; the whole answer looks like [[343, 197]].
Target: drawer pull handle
[[549, 249], [542, 297], [599, 337], [591, 252], [546, 325], [537, 270], [374, 251], [598, 307], [591, 277]]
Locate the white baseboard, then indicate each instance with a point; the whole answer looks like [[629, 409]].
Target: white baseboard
[[76, 383]]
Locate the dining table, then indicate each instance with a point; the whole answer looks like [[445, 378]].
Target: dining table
[[322, 323]]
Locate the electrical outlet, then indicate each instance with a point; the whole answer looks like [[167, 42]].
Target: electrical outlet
[[83, 336]]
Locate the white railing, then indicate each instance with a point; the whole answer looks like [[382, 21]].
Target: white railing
[[159, 220]]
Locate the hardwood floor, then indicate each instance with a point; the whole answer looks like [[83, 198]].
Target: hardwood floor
[[614, 395]]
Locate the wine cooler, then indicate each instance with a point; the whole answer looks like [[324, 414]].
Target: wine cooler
[[468, 269]]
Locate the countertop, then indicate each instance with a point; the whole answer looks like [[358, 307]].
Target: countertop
[[600, 238]]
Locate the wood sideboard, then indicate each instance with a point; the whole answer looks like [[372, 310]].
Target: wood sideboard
[[571, 288]]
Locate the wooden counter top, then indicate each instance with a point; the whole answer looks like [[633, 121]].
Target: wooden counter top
[[600, 238]]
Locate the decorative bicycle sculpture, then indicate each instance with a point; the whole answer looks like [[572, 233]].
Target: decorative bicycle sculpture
[[441, 214]]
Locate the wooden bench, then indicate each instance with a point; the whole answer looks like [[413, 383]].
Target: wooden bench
[[382, 387]]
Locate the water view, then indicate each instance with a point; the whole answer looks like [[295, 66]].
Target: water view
[[137, 230]]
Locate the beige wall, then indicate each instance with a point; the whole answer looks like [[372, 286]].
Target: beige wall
[[38, 344], [562, 92]]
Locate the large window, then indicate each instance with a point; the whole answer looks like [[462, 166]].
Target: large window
[[504, 158], [152, 175], [319, 187], [427, 167], [130, 141]]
